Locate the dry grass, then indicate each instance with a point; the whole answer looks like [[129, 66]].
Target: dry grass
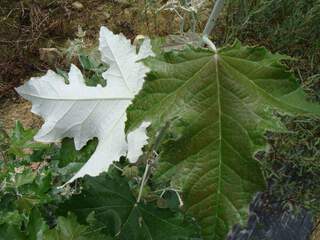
[[316, 232]]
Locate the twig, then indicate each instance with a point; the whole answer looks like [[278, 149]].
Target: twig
[[193, 22], [115, 165]]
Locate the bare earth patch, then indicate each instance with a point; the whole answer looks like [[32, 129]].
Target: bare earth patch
[[16, 109]]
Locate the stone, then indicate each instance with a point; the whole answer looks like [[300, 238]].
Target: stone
[[77, 5]]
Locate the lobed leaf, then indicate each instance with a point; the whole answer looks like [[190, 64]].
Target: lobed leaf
[[82, 112], [218, 105]]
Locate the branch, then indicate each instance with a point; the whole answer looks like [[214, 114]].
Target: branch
[[213, 17]]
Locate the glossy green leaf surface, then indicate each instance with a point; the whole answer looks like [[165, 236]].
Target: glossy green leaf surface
[[218, 106]]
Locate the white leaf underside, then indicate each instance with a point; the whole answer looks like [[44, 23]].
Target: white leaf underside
[[82, 112]]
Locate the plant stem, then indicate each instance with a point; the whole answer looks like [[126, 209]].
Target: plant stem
[[193, 21], [120, 169], [155, 147], [146, 170], [160, 136], [210, 44], [213, 17]]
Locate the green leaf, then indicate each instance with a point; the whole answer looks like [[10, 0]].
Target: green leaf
[[26, 177], [21, 141], [93, 68], [10, 218], [36, 226], [116, 209], [69, 228], [63, 74], [21, 135], [87, 62], [218, 106], [11, 232], [68, 152]]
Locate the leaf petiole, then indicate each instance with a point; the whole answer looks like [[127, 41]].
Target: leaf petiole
[[144, 180]]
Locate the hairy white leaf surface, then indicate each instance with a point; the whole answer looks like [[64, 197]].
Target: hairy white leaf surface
[[136, 140], [83, 112]]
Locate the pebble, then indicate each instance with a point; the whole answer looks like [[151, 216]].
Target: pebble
[[77, 5]]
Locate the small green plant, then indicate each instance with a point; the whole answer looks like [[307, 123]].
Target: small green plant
[[29, 179]]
